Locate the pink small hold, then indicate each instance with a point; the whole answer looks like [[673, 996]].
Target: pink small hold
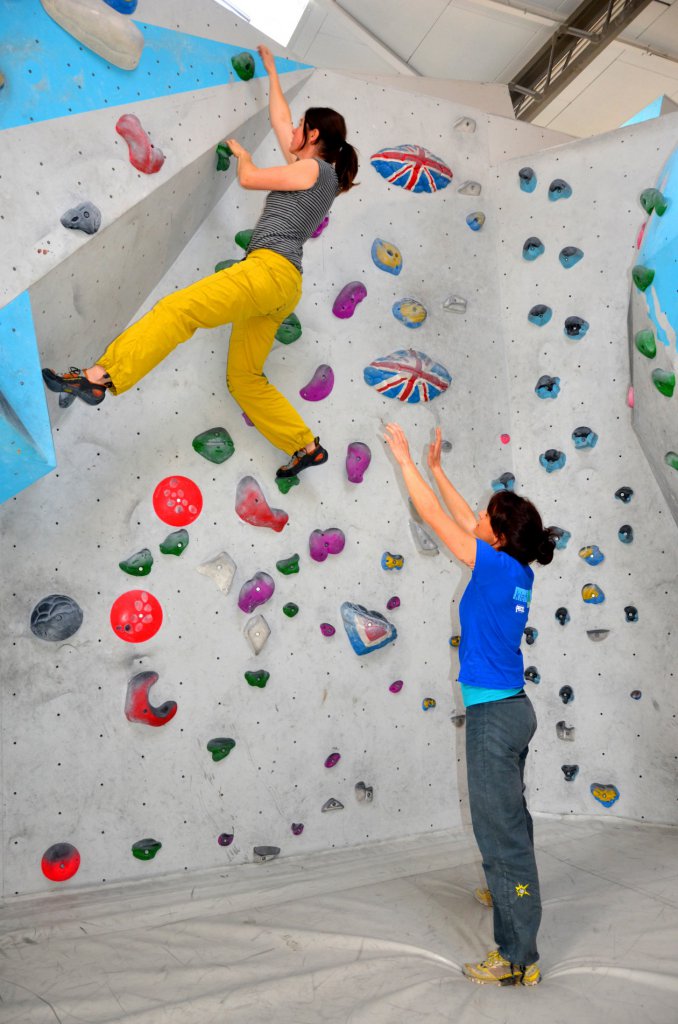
[[358, 458], [320, 384], [641, 233], [332, 760], [393, 602], [397, 686], [225, 839], [321, 227], [322, 543], [504, 438], [327, 629], [348, 298], [297, 829], [630, 399]]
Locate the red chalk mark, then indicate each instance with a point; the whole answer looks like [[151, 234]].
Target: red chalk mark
[[142, 153], [136, 616], [177, 500]]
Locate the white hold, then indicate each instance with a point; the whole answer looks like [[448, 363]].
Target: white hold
[[93, 23], [470, 188], [454, 304], [425, 543], [257, 631], [363, 793], [221, 569], [332, 805], [465, 124]]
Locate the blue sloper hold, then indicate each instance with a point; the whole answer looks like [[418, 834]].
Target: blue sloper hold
[[562, 537], [570, 256], [624, 494], [540, 315], [584, 437], [547, 387], [532, 248], [124, 6], [592, 594], [367, 631], [552, 459], [592, 554], [559, 189], [575, 327], [625, 534], [506, 482], [527, 179], [530, 634]]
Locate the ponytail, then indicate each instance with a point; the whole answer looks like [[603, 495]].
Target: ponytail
[[346, 166], [334, 148]]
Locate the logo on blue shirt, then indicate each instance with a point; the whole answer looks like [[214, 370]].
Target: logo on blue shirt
[[519, 594]]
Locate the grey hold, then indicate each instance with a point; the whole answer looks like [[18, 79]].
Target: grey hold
[[332, 805], [264, 853], [85, 217], [56, 618]]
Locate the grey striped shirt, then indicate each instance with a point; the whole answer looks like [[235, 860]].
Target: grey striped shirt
[[290, 218]]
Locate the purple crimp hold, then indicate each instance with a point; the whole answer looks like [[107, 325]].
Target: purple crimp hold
[[255, 592], [297, 829], [327, 629], [320, 384], [393, 602], [322, 543], [321, 227], [225, 839], [348, 298], [358, 458], [397, 686], [332, 760]]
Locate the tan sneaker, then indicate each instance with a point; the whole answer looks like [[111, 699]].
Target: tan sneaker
[[497, 971], [483, 896]]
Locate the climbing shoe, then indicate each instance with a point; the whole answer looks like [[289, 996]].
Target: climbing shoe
[[483, 896], [302, 460], [75, 383], [495, 970]]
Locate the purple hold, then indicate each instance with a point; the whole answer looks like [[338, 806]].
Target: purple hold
[[255, 592], [225, 839], [393, 602], [358, 458], [327, 629], [397, 686], [322, 543], [247, 420], [297, 829], [348, 298], [332, 760], [321, 227], [320, 384]]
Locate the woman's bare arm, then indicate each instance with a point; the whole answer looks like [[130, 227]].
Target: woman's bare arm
[[458, 506], [278, 108]]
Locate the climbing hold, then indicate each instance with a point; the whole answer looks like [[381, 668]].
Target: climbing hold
[[138, 707], [652, 201], [424, 542], [530, 634], [224, 265], [552, 459], [562, 616], [466, 125], [570, 256], [624, 494], [66, 400], [625, 534], [220, 747], [646, 344], [631, 613], [565, 732], [412, 167], [561, 536], [596, 635], [297, 829], [60, 862], [458, 719], [387, 256], [257, 632], [367, 631], [408, 375], [547, 387], [566, 694], [358, 458], [322, 543], [215, 445], [671, 460], [532, 248], [630, 396], [174, 543], [56, 617], [570, 771], [351, 294], [664, 381], [363, 793], [454, 304], [393, 602], [243, 65], [642, 276], [264, 853], [470, 188], [139, 564], [527, 179], [177, 501], [389, 561], [327, 629], [505, 438], [289, 330], [286, 483], [410, 312], [332, 805], [396, 686], [575, 327], [559, 189], [288, 566], [247, 420], [428, 704], [584, 437], [221, 569], [142, 153], [321, 227], [455, 641], [475, 220], [320, 384], [146, 849], [124, 6], [592, 594], [540, 315], [333, 759], [636, 694], [532, 675], [506, 482], [103, 30], [605, 794], [225, 839], [224, 154], [290, 609], [258, 678], [136, 616], [85, 217], [592, 554], [255, 592], [243, 238], [251, 506]]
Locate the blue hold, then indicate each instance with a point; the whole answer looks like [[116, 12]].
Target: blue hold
[[570, 256], [592, 554], [575, 327], [124, 6], [540, 315], [367, 631], [552, 459], [547, 387], [506, 482], [563, 537], [625, 534], [528, 179], [559, 189], [475, 221], [532, 248], [584, 437]]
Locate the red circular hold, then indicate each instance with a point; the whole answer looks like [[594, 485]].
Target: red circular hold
[[504, 438], [60, 862], [177, 501], [136, 616]]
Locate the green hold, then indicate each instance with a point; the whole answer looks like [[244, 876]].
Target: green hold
[[286, 483], [289, 330], [175, 543], [146, 849], [646, 344], [220, 748], [671, 459], [288, 566], [642, 277], [224, 154], [653, 201], [664, 381], [290, 609], [243, 238], [243, 65], [259, 678], [224, 265], [215, 444], [139, 564]]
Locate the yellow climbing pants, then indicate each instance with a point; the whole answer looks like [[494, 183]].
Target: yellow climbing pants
[[255, 296]]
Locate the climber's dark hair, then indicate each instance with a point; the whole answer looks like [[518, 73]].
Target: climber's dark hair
[[334, 148], [517, 521]]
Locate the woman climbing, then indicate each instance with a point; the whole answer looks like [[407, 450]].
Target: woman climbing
[[500, 719], [255, 295]]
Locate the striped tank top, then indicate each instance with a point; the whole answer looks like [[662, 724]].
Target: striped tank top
[[290, 218]]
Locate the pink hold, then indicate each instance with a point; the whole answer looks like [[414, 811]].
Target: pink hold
[[142, 153], [255, 592], [504, 438], [630, 397], [348, 298], [252, 507], [397, 686], [358, 458], [225, 839], [247, 420], [297, 829], [321, 227], [332, 760], [393, 602], [320, 384], [322, 543], [327, 629], [641, 234]]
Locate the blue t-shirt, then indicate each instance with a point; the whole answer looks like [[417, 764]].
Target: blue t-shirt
[[493, 613]]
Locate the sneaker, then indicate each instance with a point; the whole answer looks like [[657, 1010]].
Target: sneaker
[[483, 896], [302, 460], [495, 970], [75, 383]]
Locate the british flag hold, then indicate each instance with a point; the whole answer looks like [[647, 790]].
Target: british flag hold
[[412, 168], [407, 375]]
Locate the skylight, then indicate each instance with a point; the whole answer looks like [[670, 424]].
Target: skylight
[[275, 18]]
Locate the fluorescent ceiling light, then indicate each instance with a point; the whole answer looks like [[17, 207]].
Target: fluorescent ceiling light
[[275, 18]]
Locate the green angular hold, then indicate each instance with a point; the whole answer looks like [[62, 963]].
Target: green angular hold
[[671, 459], [288, 566], [259, 678], [290, 609], [224, 154], [646, 344], [664, 381], [642, 277], [243, 65], [139, 564], [243, 238], [224, 265], [175, 543], [146, 849], [215, 444], [652, 201], [286, 483], [289, 330], [220, 748]]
